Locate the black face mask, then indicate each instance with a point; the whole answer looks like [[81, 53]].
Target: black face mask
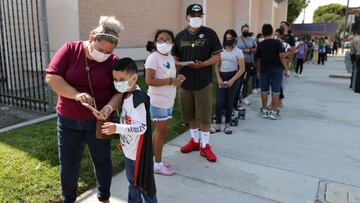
[[229, 42], [245, 34]]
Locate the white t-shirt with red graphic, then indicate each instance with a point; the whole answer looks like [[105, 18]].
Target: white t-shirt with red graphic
[[164, 65], [132, 126]]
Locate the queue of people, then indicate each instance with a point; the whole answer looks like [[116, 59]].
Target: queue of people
[[87, 73]]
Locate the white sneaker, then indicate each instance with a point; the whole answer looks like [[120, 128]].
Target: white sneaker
[[259, 90], [246, 101], [274, 115], [255, 91], [296, 75], [264, 113], [299, 76]]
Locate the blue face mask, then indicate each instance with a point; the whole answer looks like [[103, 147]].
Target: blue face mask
[[122, 86]]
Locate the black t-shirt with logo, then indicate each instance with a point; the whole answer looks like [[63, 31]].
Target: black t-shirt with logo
[[268, 52], [198, 46]]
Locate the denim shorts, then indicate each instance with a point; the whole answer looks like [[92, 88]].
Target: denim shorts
[[160, 114], [272, 78]]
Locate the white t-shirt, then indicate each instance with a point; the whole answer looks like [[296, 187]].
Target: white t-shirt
[[164, 66], [132, 126], [229, 60], [286, 46]]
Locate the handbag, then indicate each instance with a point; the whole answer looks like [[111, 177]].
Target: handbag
[[252, 69], [114, 116]]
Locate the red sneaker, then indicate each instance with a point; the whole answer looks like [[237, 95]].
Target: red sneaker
[[190, 146], [208, 153]]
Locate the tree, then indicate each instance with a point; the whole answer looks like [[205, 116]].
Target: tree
[[335, 13], [334, 9], [356, 26], [294, 9]]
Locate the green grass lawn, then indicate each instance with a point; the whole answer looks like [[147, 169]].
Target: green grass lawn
[[29, 160], [30, 167]]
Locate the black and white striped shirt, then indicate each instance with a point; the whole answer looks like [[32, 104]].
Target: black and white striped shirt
[[198, 46]]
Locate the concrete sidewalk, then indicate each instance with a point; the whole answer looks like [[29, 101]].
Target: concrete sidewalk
[[291, 160]]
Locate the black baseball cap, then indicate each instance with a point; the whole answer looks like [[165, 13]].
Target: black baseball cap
[[194, 8]]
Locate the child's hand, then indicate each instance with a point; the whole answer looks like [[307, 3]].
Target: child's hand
[[181, 77], [119, 147], [108, 128], [176, 82]]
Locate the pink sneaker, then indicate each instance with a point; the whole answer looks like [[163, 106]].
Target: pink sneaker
[[166, 164], [164, 170]]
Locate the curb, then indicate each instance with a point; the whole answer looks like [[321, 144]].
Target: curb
[[27, 123]]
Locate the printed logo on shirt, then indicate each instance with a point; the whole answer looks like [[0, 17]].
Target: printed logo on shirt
[[196, 43], [167, 65], [127, 119], [137, 129], [125, 139]]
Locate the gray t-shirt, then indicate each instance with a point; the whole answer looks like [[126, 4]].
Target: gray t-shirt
[[250, 43], [229, 60]]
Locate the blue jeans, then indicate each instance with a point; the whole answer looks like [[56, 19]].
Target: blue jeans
[[72, 137], [271, 78], [135, 194], [226, 95], [254, 81]]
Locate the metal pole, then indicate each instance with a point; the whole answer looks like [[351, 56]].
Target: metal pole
[[346, 19], [46, 49]]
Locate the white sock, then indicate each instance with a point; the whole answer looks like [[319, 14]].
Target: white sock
[[195, 134], [205, 136], [158, 165]]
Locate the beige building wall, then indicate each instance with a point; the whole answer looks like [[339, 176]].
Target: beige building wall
[[74, 19], [241, 13], [141, 18], [255, 25], [221, 15], [63, 22]]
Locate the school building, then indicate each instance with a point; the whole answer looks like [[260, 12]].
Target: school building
[[73, 20]]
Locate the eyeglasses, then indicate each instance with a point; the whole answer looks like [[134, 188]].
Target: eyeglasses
[[163, 41]]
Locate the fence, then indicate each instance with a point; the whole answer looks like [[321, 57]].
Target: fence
[[24, 52]]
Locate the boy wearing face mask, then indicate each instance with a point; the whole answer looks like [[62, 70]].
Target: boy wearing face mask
[[135, 132], [200, 45]]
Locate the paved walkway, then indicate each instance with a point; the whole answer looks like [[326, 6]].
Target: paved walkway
[[290, 160]]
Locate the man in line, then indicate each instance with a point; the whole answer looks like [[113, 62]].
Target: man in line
[[199, 47], [271, 63]]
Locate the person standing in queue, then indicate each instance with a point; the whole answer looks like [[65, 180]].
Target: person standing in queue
[[74, 67], [195, 50]]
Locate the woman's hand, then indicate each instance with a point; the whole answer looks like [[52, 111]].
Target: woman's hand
[[105, 112], [230, 83], [108, 128], [84, 98], [221, 83]]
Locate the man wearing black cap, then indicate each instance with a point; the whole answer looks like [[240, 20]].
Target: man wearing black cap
[[196, 49]]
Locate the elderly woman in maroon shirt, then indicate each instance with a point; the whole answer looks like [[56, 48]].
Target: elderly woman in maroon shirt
[[67, 76]]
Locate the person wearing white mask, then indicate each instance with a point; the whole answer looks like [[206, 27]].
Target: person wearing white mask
[[67, 76], [162, 80], [196, 49]]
